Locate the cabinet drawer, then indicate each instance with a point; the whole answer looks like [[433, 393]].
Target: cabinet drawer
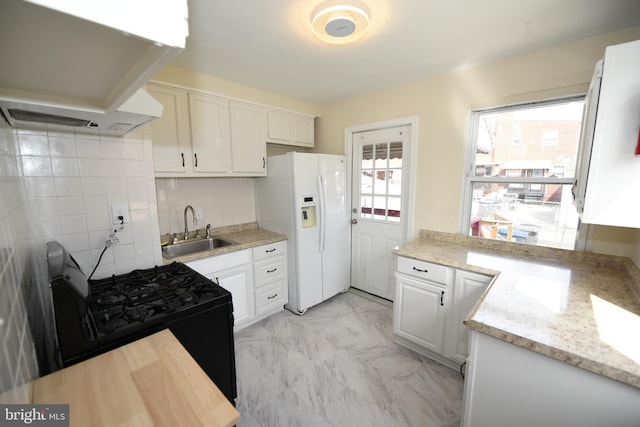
[[424, 270], [272, 249], [271, 296], [269, 269]]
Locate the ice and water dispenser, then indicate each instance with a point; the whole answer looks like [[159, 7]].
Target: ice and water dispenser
[[308, 211]]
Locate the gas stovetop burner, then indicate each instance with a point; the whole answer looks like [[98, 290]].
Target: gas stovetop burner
[[118, 301]]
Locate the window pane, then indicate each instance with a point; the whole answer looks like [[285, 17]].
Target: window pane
[[519, 142], [366, 209], [366, 182], [497, 212]]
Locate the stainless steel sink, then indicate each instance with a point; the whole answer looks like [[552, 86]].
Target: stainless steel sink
[[192, 246]]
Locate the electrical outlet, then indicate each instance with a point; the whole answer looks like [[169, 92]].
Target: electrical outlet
[[120, 214], [199, 215]]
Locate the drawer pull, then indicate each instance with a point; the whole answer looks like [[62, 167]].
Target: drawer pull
[[273, 296], [270, 250], [421, 271], [442, 298], [271, 271]]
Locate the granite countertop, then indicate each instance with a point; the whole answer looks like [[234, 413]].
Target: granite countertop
[[245, 235], [580, 308]]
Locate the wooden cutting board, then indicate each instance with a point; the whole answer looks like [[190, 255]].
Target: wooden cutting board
[[151, 382]]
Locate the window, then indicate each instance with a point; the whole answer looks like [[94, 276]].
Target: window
[[381, 181], [550, 138], [517, 188]]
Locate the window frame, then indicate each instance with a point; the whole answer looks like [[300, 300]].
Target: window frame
[[469, 178]]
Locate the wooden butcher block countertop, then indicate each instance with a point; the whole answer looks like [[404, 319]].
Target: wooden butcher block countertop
[[151, 382]]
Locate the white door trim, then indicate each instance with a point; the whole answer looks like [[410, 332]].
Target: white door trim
[[408, 191]]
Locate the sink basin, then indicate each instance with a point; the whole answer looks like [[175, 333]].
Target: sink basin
[[192, 246]]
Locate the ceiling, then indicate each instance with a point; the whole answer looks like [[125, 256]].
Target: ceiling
[[268, 44]]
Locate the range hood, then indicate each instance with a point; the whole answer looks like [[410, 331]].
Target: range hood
[[83, 64], [137, 110]]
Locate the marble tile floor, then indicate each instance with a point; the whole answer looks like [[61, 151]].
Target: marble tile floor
[[338, 365]]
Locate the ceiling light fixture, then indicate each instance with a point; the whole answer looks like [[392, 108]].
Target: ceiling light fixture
[[340, 24]]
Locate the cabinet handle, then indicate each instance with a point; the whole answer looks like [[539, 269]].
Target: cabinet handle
[[421, 271], [195, 155], [273, 296], [264, 163], [442, 298], [270, 250], [182, 154], [271, 271]]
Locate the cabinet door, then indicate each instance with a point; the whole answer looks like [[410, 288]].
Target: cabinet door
[[170, 133], [239, 282], [468, 288], [303, 130], [248, 139], [418, 312], [209, 133], [279, 127]]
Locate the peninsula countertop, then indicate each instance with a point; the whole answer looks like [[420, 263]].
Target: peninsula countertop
[[150, 382], [580, 308]]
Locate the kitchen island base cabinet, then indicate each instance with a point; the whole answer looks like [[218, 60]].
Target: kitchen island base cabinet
[[507, 385], [430, 306]]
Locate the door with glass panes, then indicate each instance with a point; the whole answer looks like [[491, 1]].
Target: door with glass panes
[[377, 216]]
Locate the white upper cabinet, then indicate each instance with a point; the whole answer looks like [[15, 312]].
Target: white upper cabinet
[[170, 133], [612, 194], [202, 134], [248, 146], [209, 134], [287, 128]]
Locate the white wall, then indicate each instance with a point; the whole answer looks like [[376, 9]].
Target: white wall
[[442, 104]]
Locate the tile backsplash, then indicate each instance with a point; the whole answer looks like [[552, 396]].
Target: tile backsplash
[[18, 360], [60, 185], [222, 202]]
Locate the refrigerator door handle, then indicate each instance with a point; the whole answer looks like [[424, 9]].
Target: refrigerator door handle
[[322, 193]]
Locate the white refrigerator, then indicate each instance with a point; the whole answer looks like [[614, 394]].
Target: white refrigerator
[[305, 196]]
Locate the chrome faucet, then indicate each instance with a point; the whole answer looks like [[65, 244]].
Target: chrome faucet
[[195, 220]]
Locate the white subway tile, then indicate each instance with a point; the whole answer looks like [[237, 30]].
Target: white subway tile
[[95, 204], [67, 186], [33, 145], [62, 146], [93, 186], [73, 224], [36, 166], [88, 148], [91, 167], [63, 166]]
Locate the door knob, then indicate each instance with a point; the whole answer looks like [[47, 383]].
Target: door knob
[[354, 221]]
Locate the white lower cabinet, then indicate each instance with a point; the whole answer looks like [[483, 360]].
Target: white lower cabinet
[[430, 306], [237, 280], [257, 282], [468, 287], [270, 272], [419, 312]]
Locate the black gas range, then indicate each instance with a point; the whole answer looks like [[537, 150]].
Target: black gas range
[[95, 316]]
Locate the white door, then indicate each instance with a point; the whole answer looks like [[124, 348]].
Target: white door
[[377, 207]]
